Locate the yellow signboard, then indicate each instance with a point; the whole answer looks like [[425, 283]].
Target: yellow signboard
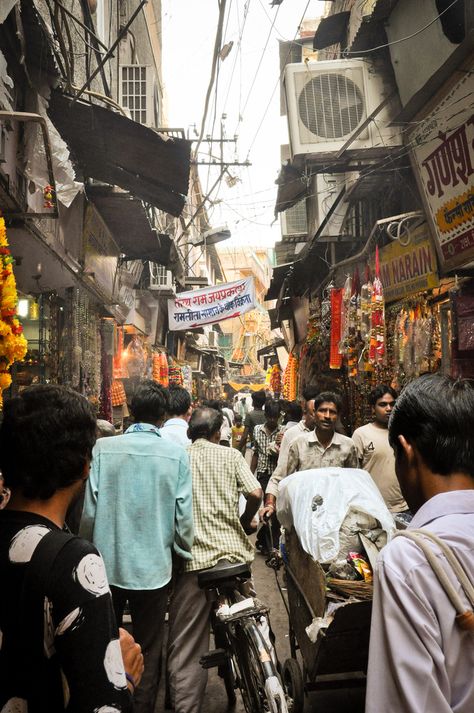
[[404, 271]]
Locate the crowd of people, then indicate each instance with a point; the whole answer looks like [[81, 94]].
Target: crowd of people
[[93, 525]]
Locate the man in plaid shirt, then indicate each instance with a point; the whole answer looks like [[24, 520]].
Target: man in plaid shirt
[[219, 475]]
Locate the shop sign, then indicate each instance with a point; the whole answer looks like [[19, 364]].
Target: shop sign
[[443, 152], [212, 304], [406, 270]]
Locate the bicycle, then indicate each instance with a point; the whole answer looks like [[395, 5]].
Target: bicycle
[[244, 654]]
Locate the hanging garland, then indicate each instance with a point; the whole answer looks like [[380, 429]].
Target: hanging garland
[[13, 345]]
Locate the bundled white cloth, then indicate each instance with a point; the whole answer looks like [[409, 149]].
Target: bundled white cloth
[[316, 502]]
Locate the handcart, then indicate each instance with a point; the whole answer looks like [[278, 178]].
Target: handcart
[[338, 656]]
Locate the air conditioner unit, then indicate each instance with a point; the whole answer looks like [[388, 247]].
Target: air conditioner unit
[[293, 221], [325, 189], [328, 101], [212, 339]]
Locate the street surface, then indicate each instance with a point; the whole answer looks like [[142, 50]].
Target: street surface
[[343, 701]]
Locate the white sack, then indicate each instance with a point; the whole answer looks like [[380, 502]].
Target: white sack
[[315, 502]]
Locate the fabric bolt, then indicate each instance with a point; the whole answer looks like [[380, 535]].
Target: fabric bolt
[[306, 452], [265, 448], [189, 633], [220, 474], [280, 471], [420, 660], [138, 506], [74, 614], [148, 609], [176, 430], [376, 456]]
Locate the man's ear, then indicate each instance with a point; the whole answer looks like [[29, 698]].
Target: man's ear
[[407, 449]]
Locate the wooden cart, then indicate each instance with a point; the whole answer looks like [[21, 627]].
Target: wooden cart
[[338, 658]]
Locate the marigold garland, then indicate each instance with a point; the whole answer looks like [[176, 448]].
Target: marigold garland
[[13, 345]]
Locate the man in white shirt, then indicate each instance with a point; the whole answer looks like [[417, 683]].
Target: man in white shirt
[[375, 452], [175, 427], [421, 659], [304, 426]]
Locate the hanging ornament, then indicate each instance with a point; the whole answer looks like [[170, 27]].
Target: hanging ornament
[[335, 357], [377, 322]]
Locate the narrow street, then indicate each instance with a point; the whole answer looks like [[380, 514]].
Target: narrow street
[[339, 701]]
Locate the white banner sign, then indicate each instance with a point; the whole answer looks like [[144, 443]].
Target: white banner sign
[[212, 304]]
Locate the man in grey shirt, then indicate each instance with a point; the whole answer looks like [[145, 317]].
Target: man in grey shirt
[[420, 659]]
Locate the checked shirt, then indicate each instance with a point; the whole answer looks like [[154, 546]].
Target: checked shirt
[[219, 474]]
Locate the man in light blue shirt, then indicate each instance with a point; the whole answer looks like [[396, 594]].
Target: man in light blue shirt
[[138, 512], [175, 427]]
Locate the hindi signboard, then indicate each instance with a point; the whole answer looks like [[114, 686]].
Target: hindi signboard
[[443, 152], [212, 304], [406, 270]]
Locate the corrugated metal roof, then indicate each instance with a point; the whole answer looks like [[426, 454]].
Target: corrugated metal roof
[[116, 150]]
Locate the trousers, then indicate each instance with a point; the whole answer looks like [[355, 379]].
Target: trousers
[[189, 634], [147, 610]]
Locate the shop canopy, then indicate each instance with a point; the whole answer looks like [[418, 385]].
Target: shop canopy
[[238, 386], [331, 30], [278, 276], [128, 222], [116, 150]]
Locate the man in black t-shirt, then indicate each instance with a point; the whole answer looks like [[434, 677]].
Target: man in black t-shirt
[[60, 648], [254, 418]]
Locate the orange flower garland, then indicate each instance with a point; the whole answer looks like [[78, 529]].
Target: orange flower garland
[[13, 344]]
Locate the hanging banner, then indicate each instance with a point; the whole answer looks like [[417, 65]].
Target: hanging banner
[[408, 269], [443, 152], [189, 310]]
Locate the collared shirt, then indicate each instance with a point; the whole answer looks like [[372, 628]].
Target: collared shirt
[[138, 506], [377, 458], [420, 661], [280, 471], [265, 448], [176, 430], [306, 452], [220, 474]]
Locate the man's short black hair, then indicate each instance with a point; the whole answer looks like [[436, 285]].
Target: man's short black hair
[[258, 399], [328, 396], [150, 402], [204, 423], [179, 401], [293, 412], [435, 413], [272, 408], [310, 392], [380, 391], [46, 440]]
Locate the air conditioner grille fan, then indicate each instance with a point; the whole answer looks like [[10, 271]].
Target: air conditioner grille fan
[[331, 106]]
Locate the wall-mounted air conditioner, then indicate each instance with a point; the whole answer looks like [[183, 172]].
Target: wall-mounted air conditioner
[[328, 101], [325, 189], [293, 221]]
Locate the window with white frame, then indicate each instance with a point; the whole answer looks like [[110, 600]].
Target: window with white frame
[[160, 277], [136, 92]]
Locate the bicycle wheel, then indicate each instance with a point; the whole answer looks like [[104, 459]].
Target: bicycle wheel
[[294, 685], [251, 663]]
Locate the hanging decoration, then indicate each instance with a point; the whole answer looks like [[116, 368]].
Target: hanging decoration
[[275, 379], [175, 374], [377, 322], [335, 357], [290, 378], [13, 345], [135, 359]]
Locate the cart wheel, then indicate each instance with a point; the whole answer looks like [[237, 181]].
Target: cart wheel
[[294, 685]]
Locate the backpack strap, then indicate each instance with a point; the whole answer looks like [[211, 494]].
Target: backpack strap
[[464, 617]]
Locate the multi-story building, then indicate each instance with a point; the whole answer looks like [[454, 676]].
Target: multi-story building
[[93, 185]]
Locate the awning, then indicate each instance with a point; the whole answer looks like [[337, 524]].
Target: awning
[[279, 274], [128, 222], [331, 30], [116, 150], [292, 187]]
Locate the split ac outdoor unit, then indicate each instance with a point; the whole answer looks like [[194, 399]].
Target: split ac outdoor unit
[[328, 101], [293, 221]]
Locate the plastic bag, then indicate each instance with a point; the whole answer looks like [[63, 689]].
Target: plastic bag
[[316, 502]]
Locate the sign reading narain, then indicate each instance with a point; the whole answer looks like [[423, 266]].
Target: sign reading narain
[[404, 271]]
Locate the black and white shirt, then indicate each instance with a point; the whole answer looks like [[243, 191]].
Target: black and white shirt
[[69, 656]]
